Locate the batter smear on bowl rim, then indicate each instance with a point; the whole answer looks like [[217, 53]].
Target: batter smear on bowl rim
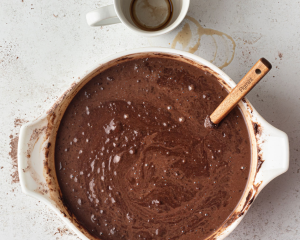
[[134, 160]]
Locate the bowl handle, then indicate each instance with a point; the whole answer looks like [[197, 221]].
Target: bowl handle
[[31, 156], [275, 145]]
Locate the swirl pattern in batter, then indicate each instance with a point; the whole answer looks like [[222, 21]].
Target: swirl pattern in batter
[[134, 160]]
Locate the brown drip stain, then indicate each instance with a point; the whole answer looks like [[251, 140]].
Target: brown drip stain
[[185, 35]]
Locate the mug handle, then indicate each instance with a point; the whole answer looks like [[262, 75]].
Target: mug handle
[[102, 16]]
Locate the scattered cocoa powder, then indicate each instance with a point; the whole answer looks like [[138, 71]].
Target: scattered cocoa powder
[[14, 156], [63, 231]]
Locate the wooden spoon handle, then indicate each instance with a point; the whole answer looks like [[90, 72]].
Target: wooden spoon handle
[[256, 73]]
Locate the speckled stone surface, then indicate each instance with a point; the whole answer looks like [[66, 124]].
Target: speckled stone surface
[[45, 45]]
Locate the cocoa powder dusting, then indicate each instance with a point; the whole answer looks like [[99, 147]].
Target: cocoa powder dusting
[[63, 231], [14, 156]]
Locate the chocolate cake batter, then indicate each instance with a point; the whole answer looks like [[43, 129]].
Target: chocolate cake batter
[[134, 160]]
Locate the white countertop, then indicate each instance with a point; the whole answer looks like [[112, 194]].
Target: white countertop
[[45, 45]]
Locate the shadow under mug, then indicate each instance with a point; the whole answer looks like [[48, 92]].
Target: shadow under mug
[[119, 12]]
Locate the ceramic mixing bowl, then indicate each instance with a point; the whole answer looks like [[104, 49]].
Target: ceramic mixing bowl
[[270, 148]]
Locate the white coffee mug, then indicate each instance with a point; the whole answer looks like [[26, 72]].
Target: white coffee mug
[[119, 12]]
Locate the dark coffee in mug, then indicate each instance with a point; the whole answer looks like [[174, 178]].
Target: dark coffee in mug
[[151, 15]]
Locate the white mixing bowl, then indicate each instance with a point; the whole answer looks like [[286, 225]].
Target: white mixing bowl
[[270, 148]]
